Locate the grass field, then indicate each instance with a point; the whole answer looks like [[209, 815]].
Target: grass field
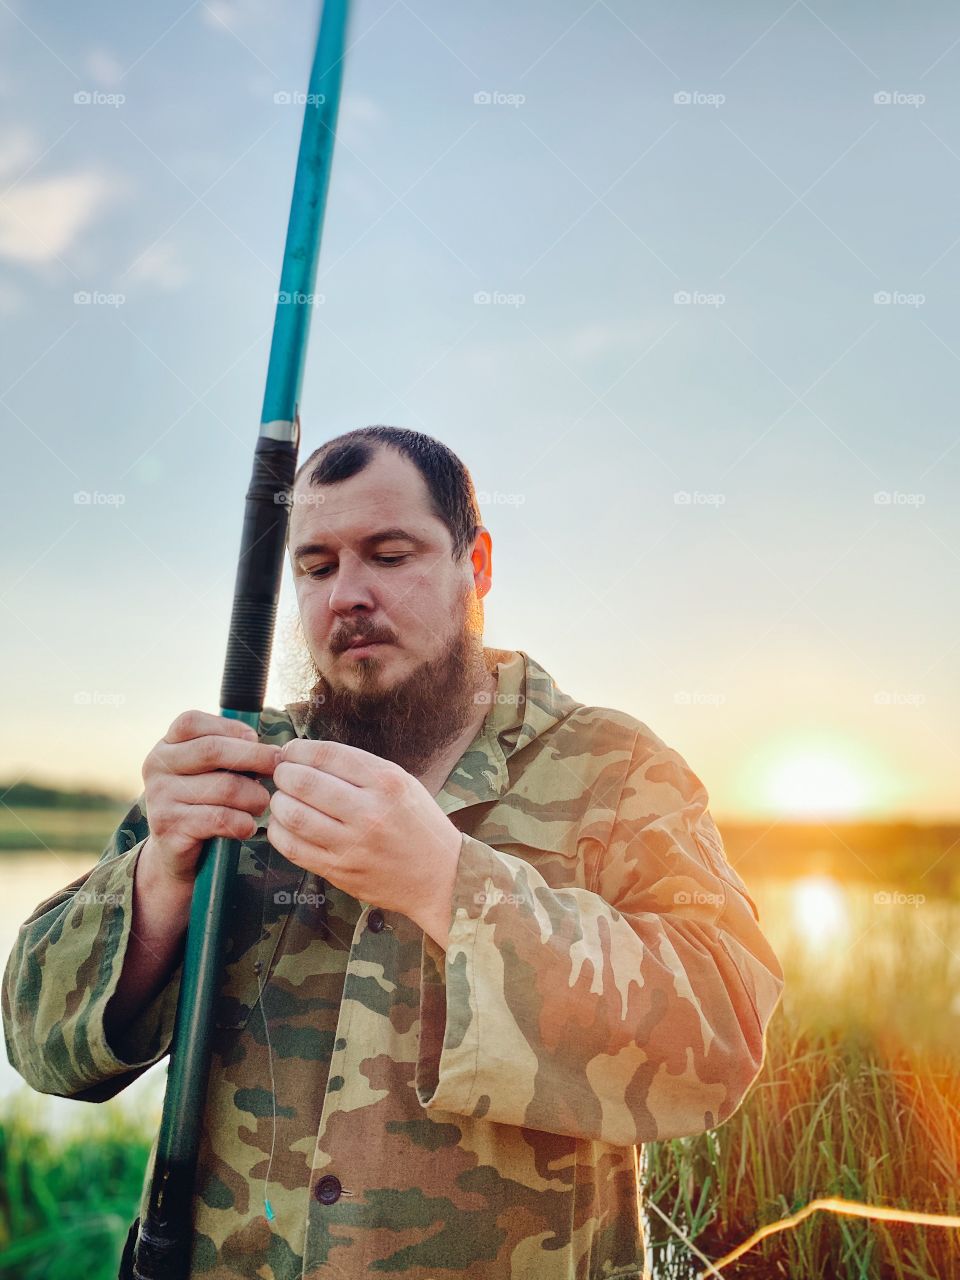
[[859, 1098], [57, 830]]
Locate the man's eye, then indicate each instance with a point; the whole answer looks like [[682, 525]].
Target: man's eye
[[322, 570]]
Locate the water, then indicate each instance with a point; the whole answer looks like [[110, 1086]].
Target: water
[[28, 879]]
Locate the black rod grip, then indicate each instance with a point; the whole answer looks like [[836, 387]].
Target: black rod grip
[[257, 590]]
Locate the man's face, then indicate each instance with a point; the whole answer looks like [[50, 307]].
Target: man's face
[[371, 561]]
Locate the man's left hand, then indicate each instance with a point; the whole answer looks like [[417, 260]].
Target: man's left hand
[[369, 827]]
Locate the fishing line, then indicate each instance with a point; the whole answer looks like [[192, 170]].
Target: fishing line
[[852, 1208]]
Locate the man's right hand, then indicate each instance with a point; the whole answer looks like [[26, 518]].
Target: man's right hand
[[195, 789]]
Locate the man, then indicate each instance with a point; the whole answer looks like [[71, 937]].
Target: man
[[484, 940]]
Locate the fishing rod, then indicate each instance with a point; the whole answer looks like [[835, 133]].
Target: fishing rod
[[159, 1246]]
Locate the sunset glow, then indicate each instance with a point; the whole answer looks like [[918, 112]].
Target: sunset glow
[[820, 911], [818, 783]]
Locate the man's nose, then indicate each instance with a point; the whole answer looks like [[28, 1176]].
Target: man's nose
[[352, 586]]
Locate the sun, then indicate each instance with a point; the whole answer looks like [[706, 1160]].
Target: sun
[[816, 784], [815, 779]]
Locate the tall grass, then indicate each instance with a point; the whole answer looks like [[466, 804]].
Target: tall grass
[[859, 1098], [66, 1202]]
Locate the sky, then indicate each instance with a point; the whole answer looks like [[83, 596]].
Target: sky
[[677, 283]]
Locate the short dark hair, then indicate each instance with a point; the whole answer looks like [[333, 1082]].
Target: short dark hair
[[453, 498]]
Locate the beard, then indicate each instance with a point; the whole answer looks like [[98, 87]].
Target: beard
[[411, 721]]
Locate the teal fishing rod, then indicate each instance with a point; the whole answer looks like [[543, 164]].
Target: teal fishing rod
[[159, 1246]]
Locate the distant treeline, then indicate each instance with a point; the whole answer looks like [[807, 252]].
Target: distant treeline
[[31, 795], [923, 856]]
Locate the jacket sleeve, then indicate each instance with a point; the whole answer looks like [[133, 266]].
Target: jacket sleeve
[[63, 971], [630, 1011]]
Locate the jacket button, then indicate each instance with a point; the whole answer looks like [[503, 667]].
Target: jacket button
[[375, 920], [328, 1189]]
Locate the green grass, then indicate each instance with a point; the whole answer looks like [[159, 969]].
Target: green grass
[[66, 1203]]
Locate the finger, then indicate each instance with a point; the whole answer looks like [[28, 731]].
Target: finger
[[197, 724], [303, 852], [303, 820], [324, 791], [207, 754], [351, 764], [203, 822], [223, 788]]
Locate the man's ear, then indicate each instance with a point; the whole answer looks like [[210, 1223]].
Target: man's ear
[[481, 560]]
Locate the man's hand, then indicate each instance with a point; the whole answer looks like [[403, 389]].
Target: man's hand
[[195, 790], [369, 827], [192, 793]]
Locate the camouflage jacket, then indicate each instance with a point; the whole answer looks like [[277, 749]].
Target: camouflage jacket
[[478, 1112]]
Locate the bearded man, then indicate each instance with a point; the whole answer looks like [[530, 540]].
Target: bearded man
[[484, 939]]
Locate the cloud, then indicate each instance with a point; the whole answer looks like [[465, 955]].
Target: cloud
[[222, 15], [17, 148], [359, 117], [161, 266], [104, 66], [40, 220]]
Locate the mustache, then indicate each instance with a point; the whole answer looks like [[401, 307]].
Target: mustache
[[343, 637]]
